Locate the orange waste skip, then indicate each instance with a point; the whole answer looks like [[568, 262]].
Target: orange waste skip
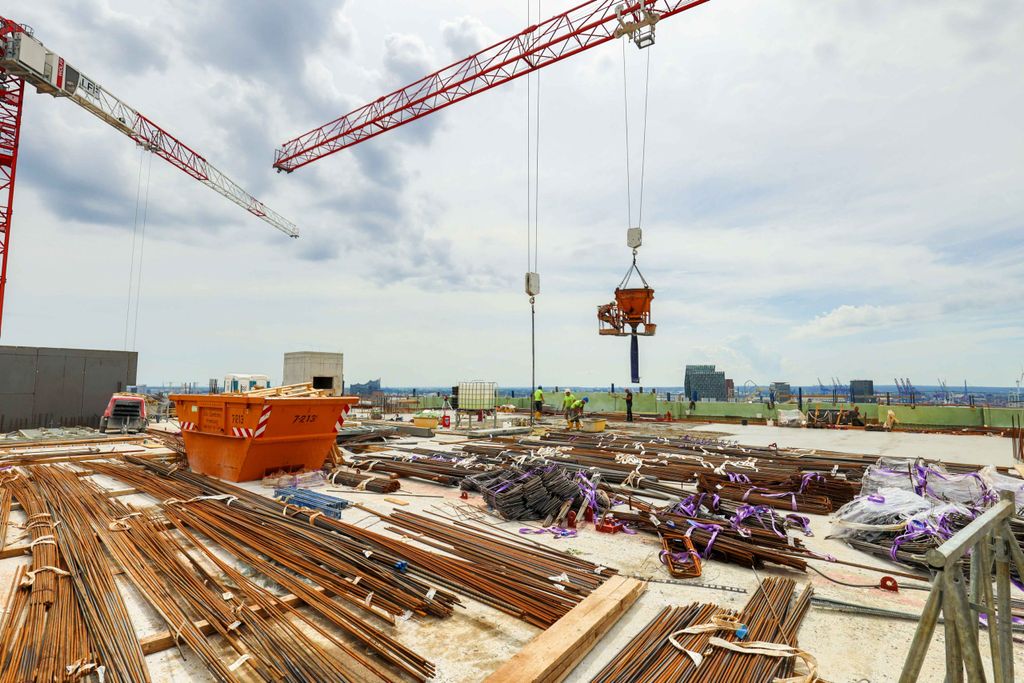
[[241, 438]]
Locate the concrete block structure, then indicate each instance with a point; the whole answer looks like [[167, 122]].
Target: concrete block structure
[[44, 387], [324, 370]]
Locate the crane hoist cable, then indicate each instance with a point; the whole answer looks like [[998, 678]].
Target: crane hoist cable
[[643, 138], [135, 238], [142, 251], [532, 285], [630, 313], [138, 247]]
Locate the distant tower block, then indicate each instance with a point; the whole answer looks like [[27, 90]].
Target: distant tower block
[[862, 390], [705, 381]]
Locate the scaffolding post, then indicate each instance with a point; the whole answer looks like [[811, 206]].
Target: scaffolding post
[[949, 596]]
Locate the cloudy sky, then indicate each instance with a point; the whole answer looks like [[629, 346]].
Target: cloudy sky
[[832, 189]]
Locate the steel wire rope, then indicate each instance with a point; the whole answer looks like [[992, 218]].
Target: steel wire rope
[[135, 233], [643, 141], [625, 116], [142, 249]]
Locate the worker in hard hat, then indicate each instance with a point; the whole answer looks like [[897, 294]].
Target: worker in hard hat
[[576, 412], [567, 402], [538, 401]]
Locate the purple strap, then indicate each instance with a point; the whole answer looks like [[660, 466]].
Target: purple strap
[[914, 530], [761, 491], [558, 531], [808, 477], [589, 492], [758, 512], [800, 522], [678, 558], [713, 529]]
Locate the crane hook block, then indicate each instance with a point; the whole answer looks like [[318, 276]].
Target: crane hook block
[[532, 286], [634, 238]]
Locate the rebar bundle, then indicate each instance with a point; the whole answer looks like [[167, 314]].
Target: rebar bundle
[[5, 503], [525, 495], [101, 604], [511, 575], [703, 643], [534, 583], [437, 470], [329, 505], [651, 657], [780, 495], [361, 482]]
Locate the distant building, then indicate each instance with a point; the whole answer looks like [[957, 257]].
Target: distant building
[[322, 370], [862, 390], [783, 392], [730, 389], [704, 382], [365, 389]]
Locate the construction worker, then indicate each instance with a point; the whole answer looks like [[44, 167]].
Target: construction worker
[[629, 405], [538, 401], [576, 412], [567, 402]]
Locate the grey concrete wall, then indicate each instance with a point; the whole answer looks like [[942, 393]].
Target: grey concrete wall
[[303, 366], [43, 387]]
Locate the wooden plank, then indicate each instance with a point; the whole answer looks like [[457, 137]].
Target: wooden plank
[[112, 493], [28, 443], [553, 654], [160, 452], [165, 639]]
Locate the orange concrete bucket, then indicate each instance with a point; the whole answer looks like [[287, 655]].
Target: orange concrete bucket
[[635, 304], [242, 438]]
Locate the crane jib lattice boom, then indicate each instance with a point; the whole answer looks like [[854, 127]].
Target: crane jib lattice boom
[[23, 59], [581, 28], [26, 57]]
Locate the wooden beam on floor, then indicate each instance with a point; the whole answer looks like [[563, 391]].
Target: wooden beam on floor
[[113, 493], [554, 653], [28, 461], [164, 640]]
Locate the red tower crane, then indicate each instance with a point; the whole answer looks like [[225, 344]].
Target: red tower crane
[[23, 60], [585, 26]]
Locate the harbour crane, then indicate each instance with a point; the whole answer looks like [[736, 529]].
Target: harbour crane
[[25, 60]]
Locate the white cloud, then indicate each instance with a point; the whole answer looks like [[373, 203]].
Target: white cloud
[[847, 319], [465, 36]]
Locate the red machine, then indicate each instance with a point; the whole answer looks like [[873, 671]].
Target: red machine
[[125, 413]]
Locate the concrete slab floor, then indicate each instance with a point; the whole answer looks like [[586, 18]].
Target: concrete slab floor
[[474, 642]]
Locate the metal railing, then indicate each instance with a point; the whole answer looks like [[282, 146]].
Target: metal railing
[[988, 540]]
